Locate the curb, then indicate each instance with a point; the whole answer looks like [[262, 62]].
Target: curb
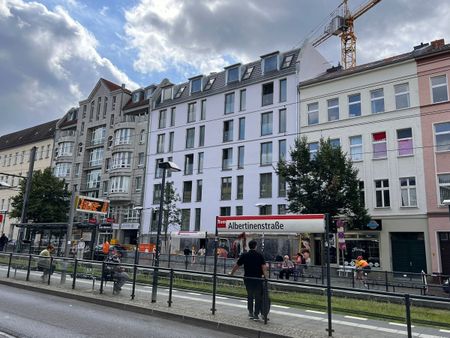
[[209, 324]]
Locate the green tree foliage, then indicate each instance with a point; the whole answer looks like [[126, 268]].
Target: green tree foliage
[[325, 183], [48, 201], [172, 214]]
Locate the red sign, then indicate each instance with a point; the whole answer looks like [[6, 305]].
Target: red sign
[[92, 221], [1, 218]]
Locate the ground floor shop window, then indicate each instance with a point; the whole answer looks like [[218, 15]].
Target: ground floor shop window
[[366, 245]]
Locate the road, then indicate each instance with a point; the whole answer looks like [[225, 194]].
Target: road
[[33, 314]]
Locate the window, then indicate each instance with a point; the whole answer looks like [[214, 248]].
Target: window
[[270, 63], [444, 187], [240, 163], [404, 141], [229, 103], [196, 85], [96, 157], [167, 94], [225, 211], [282, 209], [160, 143], [379, 145], [401, 96], [105, 107], [198, 218], [282, 121], [377, 100], [209, 83], [281, 186], [201, 136], [122, 136], [203, 109], [287, 61], [266, 123], [239, 210], [248, 72], [121, 160], [141, 159], [242, 99], [442, 135], [265, 185], [93, 179], [84, 111], [179, 92], [190, 137], [156, 193], [162, 119], [283, 90], [172, 116], [228, 131], [113, 103], [408, 191], [138, 184], [105, 188], [189, 164], [191, 112], [119, 184], [240, 187], [313, 149], [171, 140], [266, 153], [185, 219], [142, 136], [313, 113], [267, 93], [225, 188], [242, 128], [99, 107], [200, 159], [91, 112], [227, 158], [80, 149], [62, 170], [98, 136], [233, 74], [362, 197], [354, 105], [282, 150], [439, 88], [136, 96], [77, 170], [187, 191], [158, 170], [382, 193], [65, 149], [333, 109], [111, 120], [356, 148], [199, 190]]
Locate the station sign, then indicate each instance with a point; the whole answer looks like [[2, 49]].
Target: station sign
[[281, 224], [91, 205]]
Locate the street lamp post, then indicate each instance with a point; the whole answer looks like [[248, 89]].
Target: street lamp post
[[164, 166]]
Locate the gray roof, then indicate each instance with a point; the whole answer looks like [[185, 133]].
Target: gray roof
[[219, 84], [28, 136]]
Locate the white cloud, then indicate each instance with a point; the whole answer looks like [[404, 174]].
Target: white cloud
[[48, 63]]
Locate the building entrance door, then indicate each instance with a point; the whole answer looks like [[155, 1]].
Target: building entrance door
[[444, 245], [408, 252]]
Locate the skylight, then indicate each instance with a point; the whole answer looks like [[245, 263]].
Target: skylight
[[180, 92], [287, 61], [209, 83], [248, 72]]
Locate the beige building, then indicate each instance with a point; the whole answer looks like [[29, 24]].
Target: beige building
[[15, 150]]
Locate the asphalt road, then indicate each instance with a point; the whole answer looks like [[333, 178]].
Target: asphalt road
[[32, 314]]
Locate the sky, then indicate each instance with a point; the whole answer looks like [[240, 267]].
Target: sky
[[53, 52]]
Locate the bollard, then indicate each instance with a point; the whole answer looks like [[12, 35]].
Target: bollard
[[386, 280], [134, 281], [204, 263], [28, 268], [50, 270], [170, 288], [74, 278], [265, 300], [408, 314], [168, 261], [9, 264], [101, 279], [185, 262], [224, 266]]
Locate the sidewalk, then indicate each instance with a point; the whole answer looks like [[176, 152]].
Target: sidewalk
[[231, 318]]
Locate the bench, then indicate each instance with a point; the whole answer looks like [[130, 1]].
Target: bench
[[302, 271]]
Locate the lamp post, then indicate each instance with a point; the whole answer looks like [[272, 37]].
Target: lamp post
[[138, 236], [164, 166]]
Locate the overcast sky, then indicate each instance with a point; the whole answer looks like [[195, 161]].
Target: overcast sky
[[52, 52]]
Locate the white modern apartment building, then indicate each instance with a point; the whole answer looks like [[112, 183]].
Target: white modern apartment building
[[227, 131], [373, 112]]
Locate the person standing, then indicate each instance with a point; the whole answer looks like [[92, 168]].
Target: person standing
[[3, 242], [44, 262], [254, 269], [105, 247], [80, 248]]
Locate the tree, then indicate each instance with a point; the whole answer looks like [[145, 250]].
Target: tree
[[171, 213], [324, 183], [48, 201]]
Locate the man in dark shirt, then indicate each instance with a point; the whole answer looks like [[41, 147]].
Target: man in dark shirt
[[254, 269]]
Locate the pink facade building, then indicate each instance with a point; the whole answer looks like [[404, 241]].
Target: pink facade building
[[433, 70]]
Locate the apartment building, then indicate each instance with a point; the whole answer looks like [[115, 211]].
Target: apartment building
[[372, 112], [227, 131], [15, 149], [433, 68]]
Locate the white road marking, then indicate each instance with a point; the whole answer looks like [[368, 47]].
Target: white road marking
[[193, 293], [220, 297], [4, 334], [445, 331], [281, 306], [399, 324], [314, 311], [357, 318]]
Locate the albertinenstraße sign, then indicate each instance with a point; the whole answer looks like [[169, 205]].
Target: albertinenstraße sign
[[282, 224]]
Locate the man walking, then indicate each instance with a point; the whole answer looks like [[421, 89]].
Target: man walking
[[254, 269], [3, 242]]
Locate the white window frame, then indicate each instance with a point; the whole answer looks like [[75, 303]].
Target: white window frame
[[381, 190], [376, 99], [313, 113], [333, 109], [445, 185], [445, 146], [356, 157], [438, 86], [385, 153], [409, 190], [401, 94]]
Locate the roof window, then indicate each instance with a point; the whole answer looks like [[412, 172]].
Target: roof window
[[167, 93], [180, 91], [248, 72], [209, 83], [287, 61], [196, 85], [270, 62], [232, 74]]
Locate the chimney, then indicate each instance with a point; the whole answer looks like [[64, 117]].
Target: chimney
[[123, 85], [437, 43]]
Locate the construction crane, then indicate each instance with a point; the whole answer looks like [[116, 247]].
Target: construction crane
[[341, 24]]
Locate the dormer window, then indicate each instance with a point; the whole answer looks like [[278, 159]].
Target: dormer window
[[196, 85], [180, 91], [136, 97], [149, 93], [248, 72], [270, 63], [167, 93], [287, 61], [233, 74], [209, 83]]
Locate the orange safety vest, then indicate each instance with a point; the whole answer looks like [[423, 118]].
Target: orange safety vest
[[105, 247]]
